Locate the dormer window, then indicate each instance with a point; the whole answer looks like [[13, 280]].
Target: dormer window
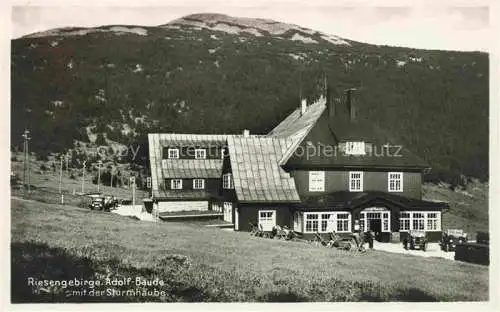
[[176, 184], [200, 153], [355, 148], [198, 184], [173, 153]]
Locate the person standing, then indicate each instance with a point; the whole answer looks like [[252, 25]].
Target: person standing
[[369, 239], [357, 235]]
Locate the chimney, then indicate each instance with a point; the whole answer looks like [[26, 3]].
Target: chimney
[[246, 133], [303, 107], [351, 109]]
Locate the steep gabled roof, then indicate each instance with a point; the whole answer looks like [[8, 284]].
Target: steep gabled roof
[[296, 126], [320, 147], [166, 139], [192, 168], [257, 175]]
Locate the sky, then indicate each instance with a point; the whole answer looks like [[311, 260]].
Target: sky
[[447, 25]]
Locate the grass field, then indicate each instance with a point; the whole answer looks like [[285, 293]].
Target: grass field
[[205, 264], [45, 186]]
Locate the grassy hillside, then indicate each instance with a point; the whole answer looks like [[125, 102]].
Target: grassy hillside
[[206, 264], [185, 78], [44, 181], [468, 206]]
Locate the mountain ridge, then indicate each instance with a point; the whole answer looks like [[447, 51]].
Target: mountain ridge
[[121, 82]]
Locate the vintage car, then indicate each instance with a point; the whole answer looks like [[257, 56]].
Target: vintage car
[[415, 239], [451, 238], [110, 203], [96, 203]]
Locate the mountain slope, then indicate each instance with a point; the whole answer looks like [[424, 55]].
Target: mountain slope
[[210, 73]]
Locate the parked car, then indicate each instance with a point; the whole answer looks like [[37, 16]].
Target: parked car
[[97, 203], [451, 238], [110, 203], [15, 182], [415, 239], [483, 238]]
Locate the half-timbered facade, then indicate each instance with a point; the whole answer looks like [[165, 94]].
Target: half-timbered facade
[[320, 170]]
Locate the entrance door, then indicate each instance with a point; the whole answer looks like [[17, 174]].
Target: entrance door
[[228, 212], [375, 225], [267, 218], [236, 219], [376, 219]]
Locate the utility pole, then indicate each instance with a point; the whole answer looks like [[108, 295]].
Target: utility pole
[[132, 181], [60, 173], [67, 162], [98, 174], [83, 176], [111, 178], [26, 158]]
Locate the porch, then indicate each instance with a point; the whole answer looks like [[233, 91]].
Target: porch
[[389, 216]]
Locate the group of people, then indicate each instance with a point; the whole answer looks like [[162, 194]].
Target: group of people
[[362, 237], [359, 237]]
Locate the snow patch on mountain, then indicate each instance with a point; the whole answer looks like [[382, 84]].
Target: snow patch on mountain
[[134, 30], [299, 37], [69, 31], [254, 26], [334, 39]]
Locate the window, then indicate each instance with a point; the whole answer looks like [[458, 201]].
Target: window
[[433, 223], [362, 222], [173, 153], [418, 221], [266, 216], [404, 221], [200, 153], [228, 212], [422, 221], [355, 148], [222, 153], [176, 184], [316, 181], [355, 181], [395, 181], [343, 222], [385, 222], [326, 221], [311, 223], [198, 184], [227, 181]]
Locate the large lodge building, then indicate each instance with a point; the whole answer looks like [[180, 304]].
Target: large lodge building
[[320, 169]]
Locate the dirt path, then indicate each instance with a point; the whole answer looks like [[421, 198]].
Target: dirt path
[[433, 250]]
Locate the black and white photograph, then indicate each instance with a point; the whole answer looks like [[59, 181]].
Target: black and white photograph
[[249, 152]]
